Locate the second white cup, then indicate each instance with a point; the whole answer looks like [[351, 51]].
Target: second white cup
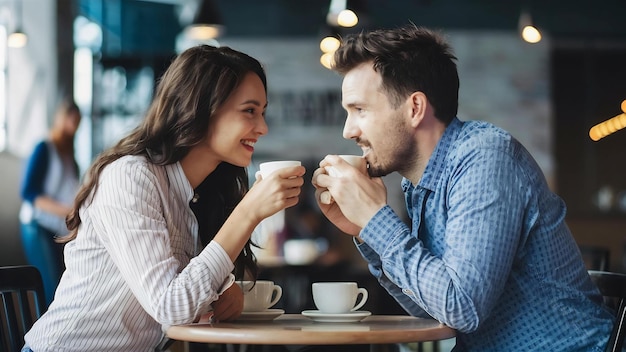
[[354, 160], [300, 251], [260, 295], [267, 168], [338, 297]]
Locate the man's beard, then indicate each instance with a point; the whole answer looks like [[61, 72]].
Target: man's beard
[[401, 160], [376, 171], [398, 154]]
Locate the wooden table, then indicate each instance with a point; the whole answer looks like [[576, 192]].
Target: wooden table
[[295, 329]]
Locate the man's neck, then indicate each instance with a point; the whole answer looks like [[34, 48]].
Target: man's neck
[[427, 136]]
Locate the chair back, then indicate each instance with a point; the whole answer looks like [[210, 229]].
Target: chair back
[[17, 284], [613, 288], [595, 257]]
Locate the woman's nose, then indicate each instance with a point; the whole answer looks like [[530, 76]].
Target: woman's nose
[[262, 128]]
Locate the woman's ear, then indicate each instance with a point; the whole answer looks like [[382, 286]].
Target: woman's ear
[[418, 104]]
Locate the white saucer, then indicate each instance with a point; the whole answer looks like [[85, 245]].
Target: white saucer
[[316, 315], [268, 314]]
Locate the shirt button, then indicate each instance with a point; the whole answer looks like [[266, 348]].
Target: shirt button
[[407, 292]]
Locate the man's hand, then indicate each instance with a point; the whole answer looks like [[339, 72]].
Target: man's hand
[[356, 196]]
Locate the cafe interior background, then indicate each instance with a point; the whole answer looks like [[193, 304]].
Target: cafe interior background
[[109, 53]]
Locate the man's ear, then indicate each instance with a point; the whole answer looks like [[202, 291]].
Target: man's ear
[[417, 104]]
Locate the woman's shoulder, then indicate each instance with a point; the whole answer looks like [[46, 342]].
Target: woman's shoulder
[[137, 165], [130, 160], [41, 147]]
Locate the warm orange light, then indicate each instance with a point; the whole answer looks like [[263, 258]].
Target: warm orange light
[[609, 126], [204, 31]]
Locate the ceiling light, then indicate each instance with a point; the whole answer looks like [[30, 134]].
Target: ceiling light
[[329, 44], [327, 60], [340, 15], [207, 22], [18, 38], [347, 18], [527, 29]]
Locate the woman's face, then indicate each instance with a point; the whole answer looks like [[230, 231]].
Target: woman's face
[[67, 122], [239, 123], [72, 120]]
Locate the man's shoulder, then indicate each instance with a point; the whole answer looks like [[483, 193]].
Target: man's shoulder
[[481, 129], [477, 135]]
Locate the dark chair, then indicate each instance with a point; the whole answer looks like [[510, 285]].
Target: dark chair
[[613, 288], [596, 258], [17, 314]]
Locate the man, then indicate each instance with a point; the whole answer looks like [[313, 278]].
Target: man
[[487, 251]]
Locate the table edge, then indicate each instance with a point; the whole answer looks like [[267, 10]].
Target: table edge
[[198, 333]]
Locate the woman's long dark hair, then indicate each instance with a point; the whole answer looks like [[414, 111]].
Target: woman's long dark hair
[[194, 87]]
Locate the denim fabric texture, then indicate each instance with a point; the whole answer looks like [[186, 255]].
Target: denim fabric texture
[[45, 254]]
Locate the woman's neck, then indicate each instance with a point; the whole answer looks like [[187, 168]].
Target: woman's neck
[[197, 167]]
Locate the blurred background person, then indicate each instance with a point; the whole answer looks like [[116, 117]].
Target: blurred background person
[[49, 185]]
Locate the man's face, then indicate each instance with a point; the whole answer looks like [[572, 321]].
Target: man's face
[[382, 131]]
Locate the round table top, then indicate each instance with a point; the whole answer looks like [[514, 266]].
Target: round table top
[[296, 329]]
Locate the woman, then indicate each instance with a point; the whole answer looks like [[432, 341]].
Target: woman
[[139, 258], [48, 190]]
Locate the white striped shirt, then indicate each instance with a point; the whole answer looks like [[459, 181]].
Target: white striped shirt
[[132, 270]]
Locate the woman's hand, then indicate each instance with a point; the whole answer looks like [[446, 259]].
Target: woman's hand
[[278, 191], [229, 305], [265, 198]]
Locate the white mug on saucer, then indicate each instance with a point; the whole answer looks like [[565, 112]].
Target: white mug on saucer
[[338, 297], [260, 295]]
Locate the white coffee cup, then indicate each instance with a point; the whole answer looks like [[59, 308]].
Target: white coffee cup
[[260, 295], [354, 160], [267, 168], [338, 297], [300, 251]]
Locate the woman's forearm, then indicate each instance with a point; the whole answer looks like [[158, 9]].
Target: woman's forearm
[[50, 205]]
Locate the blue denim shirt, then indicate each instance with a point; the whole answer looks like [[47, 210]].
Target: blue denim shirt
[[488, 252]]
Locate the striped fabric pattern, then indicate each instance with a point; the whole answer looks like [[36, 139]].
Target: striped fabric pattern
[[136, 266]]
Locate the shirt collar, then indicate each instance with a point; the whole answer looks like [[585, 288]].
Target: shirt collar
[[178, 181], [436, 163]]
